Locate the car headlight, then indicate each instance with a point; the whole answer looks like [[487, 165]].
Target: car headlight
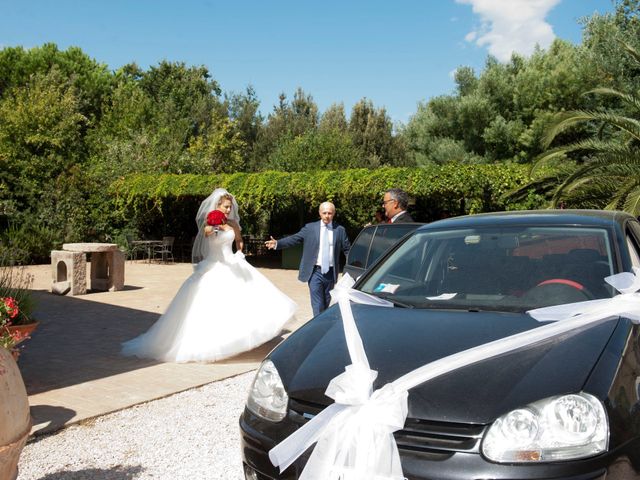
[[267, 396], [557, 428]]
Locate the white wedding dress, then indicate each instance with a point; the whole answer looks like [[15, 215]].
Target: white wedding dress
[[225, 307]]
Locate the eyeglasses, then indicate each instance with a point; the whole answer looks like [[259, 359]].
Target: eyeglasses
[[384, 202]]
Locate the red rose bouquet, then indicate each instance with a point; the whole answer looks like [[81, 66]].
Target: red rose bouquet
[[215, 218]]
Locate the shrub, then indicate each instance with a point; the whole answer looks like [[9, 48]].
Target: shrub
[[15, 283]]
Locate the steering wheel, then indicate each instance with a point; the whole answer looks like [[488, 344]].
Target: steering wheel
[[562, 281], [555, 291]]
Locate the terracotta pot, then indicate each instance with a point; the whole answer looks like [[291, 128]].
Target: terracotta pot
[[26, 329], [15, 419]]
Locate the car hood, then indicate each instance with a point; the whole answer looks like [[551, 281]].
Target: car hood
[[399, 340]]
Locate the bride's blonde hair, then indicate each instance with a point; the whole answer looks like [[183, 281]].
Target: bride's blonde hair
[[223, 197]]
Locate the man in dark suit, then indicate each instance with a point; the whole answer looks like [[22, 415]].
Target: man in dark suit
[[322, 243], [395, 203]]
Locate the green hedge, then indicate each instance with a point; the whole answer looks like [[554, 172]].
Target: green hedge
[[280, 202]]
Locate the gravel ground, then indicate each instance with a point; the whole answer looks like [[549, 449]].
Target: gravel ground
[[190, 435]]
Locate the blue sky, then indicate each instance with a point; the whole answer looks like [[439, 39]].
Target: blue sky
[[395, 53]]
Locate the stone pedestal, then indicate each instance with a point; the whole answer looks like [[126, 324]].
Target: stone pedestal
[[69, 268], [69, 272], [107, 270]]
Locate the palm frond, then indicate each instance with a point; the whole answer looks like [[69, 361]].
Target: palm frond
[[572, 181], [596, 146], [629, 99], [565, 120], [547, 157], [632, 202], [630, 50], [626, 124], [598, 151], [542, 186], [590, 194], [620, 195]]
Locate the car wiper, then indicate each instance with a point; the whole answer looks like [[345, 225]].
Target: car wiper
[[395, 302]]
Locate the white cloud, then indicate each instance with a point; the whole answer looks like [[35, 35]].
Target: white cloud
[[509, 26]]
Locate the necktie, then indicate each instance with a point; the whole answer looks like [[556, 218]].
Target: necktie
[[326, 253]]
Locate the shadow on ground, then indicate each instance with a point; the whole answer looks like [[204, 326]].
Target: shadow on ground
[[79, 341], [52, 417], [115, 473]]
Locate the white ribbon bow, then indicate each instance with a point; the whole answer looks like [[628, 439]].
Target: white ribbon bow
[[354, 436]]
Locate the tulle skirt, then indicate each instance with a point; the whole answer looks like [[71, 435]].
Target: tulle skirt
[[222, 309]]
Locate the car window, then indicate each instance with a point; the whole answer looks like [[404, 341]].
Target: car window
[[360, 248], [502, 268], [633, 253], [632, 243], [386, 237]]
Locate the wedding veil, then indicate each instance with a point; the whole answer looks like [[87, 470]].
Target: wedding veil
[[200, 248]]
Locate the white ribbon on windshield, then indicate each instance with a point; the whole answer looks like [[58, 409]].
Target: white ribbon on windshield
[[354, 436]]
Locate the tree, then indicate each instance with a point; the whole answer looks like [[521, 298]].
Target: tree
[[316, 150], [242, 110], [287, 121], [372, 132], [602, 35], [432, 134], [219, 150], [466, 80], [160, 120], [607, 172], [91, 80], [40, 135], [554, 81], [501, 114], [333, 118]]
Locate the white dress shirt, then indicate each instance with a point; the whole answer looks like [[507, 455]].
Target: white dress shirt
[[325, 229]]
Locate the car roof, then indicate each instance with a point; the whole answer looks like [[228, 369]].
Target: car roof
[[594, 218]]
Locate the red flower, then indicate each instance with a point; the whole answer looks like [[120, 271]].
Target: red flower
[[11, 307], [8, 310], [216, 217]]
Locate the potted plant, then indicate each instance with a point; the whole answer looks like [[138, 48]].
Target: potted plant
[[15, 417], [16, 306], [10, 336]]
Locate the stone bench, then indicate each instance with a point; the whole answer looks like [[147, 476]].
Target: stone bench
[[69, 268]]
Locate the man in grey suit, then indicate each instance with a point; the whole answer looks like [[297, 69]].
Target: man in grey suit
[[395, 204], [322, 243]]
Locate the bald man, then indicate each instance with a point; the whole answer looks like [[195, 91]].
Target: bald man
[[322, 243]]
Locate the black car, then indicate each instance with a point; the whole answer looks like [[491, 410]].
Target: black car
[[372, 242], [566, 409]]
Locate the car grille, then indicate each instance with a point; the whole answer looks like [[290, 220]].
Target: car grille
[[438, 438]]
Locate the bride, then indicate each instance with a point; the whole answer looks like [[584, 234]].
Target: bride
[[225, 307]]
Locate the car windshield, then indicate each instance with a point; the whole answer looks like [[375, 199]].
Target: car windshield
[[503, 269]]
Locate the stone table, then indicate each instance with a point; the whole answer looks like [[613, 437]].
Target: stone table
[[107, 268]]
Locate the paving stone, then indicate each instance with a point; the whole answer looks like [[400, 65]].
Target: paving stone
[[72, 365]]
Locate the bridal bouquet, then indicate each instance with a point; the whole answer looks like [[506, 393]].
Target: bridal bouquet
[[215, 218]]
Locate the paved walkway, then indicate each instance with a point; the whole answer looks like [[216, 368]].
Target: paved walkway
[[72, 367]]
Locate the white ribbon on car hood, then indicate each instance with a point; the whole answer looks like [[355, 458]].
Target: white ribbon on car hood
[[354, 436]]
